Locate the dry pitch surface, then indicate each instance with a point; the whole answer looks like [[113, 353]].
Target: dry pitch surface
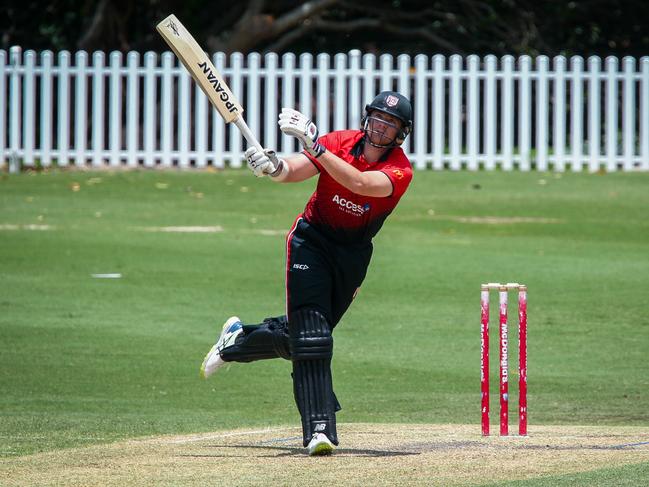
[[369, 454]]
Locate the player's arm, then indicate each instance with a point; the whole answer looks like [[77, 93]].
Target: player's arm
[[300, 168], [369, 183], [290, 170]]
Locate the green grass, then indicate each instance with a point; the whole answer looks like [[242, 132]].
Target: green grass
[[87, 360], [626, 476]]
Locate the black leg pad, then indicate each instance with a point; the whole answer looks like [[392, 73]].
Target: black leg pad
[[258, 342], [311, 346]]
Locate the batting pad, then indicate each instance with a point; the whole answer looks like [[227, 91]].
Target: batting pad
[[311, 351]]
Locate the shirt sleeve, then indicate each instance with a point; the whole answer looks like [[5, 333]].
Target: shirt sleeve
[[400, 174], [330, 141]]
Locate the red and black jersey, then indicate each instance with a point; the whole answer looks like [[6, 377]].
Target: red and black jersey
[[347, 217]]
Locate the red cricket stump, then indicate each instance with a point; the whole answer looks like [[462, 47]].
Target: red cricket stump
[[504, 365], [484, 358], [522, 361], [503, 345]]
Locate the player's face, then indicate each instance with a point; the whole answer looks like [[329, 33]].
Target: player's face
[[382, 128]]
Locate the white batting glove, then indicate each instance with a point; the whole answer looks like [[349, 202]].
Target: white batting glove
[[263, 163], [295, 124]]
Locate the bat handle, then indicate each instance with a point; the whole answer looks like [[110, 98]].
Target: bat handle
[[247, 133]]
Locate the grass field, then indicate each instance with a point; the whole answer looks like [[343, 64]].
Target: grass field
[[87, 361]]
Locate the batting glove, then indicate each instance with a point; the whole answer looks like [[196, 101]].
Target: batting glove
[[263, 163], [293, 123]]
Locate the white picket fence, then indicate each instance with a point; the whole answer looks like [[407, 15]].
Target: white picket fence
[[559, 114]]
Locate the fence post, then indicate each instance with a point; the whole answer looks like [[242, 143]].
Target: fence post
[[385, 61], [116, 108], [166, 109], [490, 112], [644, 121], [576, 119], [323, 93], [628, 122], [455, 112], [98, 64], [81, 110], [28, 108], [369, 78], [355, 103], [133, 108], [306, 81], [594, 128], [341, 101], [439, 110], [611, 113], [46, 112], [63, 104], [542, 114], [559, 113], [15, 58], [253, 104], [473, 111], [421, 129], [403, 81], [201, 105], [150, 121], [288, 97], [4, 68], [403, 87], [507, 112], [525, 113], [218, 127], [236, 63]]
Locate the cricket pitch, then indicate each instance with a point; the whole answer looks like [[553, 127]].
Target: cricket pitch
[[369, 454]]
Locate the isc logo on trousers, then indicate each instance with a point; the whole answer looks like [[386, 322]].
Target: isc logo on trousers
[[302, 267]]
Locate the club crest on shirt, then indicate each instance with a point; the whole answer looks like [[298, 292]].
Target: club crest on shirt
[[398, 173]]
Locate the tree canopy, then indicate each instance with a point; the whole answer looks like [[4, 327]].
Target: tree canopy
[[551, 27]]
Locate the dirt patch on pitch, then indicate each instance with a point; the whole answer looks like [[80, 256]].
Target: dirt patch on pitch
[[369, 454], [11, 226], [500, 220], [186, 229]]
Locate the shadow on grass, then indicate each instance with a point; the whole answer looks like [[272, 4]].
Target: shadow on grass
[[286, 451]]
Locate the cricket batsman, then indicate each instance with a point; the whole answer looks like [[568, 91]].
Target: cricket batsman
[[362, 175]]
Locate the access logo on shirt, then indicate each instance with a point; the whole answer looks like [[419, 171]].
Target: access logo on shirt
[[350, 207]]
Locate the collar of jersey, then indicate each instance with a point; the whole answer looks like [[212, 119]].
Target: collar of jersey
[[357, 151]]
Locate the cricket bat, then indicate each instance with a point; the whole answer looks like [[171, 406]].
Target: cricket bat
[[205, 74]]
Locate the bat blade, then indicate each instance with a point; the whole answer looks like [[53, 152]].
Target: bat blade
[[199, 65]]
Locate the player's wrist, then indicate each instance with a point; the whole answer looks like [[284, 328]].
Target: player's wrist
[[281, 171], [316, 150]]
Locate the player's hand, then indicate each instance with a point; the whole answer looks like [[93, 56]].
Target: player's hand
[[263, 163], [293, 123]]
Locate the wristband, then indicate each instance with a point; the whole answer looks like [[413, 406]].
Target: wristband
[[279, 174], [316, 150]]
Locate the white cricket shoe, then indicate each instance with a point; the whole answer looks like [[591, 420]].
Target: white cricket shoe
[[231, 330], [320, 445]]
